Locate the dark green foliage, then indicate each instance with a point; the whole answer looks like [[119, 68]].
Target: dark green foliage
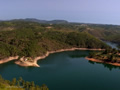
[[109, 55], [20, 85], [92, 54], [107, 51], [13, 82], [32, 39], [7, 50]]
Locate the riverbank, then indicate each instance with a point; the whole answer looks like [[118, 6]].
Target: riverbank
[[24, 62], [34, 63], [100, 61], [5, 60]]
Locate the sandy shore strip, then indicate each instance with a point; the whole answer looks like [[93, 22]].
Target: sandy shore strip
[[24, 63], [8, 59], [62, 50], [100, 61]]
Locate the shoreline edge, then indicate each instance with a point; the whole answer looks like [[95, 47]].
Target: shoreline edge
[[24, 63]]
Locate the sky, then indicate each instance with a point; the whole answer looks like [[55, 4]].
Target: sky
[[85, 11]]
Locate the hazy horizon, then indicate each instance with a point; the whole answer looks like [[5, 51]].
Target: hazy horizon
[[61, 19], [83, 11]]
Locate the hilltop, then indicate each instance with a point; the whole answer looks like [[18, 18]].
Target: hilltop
[[40, 21]]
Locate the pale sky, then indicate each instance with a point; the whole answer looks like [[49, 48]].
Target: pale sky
[[87, 11]]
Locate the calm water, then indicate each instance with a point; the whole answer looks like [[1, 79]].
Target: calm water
[[67, 71], [113, 45]]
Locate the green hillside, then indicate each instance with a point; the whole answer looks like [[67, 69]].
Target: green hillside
[[104, 32], [32, 39]]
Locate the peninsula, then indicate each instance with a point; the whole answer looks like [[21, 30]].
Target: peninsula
[[27, 42], [109, 56], [28, 61]]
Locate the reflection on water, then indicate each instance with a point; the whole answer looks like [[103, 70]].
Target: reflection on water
[[77, 56], [81, 54], [67, 71], [2, 66], [110, 67], [91, 62]]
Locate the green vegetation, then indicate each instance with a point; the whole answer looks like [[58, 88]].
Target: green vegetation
[[105, 32], [31, 39], [101, 31], [109, 55], [20, 84]]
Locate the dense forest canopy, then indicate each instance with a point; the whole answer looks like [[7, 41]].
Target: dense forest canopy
[[109, 55], [33, 39]]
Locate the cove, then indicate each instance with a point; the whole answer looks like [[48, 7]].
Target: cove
[[67, 70]]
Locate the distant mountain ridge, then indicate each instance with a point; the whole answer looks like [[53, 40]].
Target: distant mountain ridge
[[42, 21], [57, 21]]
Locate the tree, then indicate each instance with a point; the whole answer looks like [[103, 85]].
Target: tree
[[110, 57], [1, 79], [27, 84], [23, 83], [114, 51], [108, 50], [18, 83], [32, 84], [44, 87], [20, 79], [92, 54], [13, 82]]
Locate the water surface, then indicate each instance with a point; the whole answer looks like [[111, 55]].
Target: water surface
[[67, 71]]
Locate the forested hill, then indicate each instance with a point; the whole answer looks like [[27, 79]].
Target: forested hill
[[32, 39], [101, 31]]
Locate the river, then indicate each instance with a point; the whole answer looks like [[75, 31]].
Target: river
[[113, 45], [67, 71]]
